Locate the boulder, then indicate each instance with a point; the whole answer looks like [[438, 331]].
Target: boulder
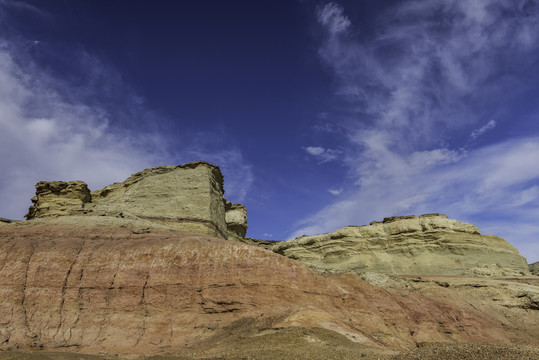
[[430, 244]]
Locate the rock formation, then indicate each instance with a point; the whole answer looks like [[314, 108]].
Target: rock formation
[[187, 196], [141, 268], [534, 268], [236, 221], [427, 244], [129, 286], [56, 198]]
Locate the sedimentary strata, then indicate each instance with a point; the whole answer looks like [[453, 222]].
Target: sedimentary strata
[[187, 196], [142, 268], [534, 268], [126, 286], [427, 244]]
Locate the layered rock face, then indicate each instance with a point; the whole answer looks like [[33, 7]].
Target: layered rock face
[[57, 198], [534, 268], [187, 196], [122, 286], [141, 268], [236, 221], [426, 244]]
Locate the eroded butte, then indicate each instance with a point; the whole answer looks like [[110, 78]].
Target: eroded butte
[[159, 266]]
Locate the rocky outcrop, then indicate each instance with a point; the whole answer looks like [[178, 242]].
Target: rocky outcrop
[[141, 268], [188, 197], [58, 198], [236, 220], [534, 268], [105, 285], [426, 244]]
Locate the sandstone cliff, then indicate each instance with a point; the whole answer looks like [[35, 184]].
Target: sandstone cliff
[[187, 196], [426, 244], [129, 286], [141, 267]]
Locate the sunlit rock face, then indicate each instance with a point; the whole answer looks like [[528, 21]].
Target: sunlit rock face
[[186, 196], [110, 285], [534, 268], [57, 198], [142, 268], [427, 244], [236, 221]]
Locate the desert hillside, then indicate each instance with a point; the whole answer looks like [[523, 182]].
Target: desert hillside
[[132, 271]]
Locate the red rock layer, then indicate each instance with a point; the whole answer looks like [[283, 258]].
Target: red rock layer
[[112, 289]]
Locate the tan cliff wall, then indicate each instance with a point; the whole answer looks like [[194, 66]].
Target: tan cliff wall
[[236, 220], [190, 197], [426, 244], [186, 196]]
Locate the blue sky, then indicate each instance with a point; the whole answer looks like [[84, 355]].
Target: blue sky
[[320, 114]]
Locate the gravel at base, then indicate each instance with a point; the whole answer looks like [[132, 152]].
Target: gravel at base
[[442, 351], [426, 351]]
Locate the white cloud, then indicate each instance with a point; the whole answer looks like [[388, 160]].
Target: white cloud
[[468, 189], [332, 16], [483, 129], [44, 136], [96, 128], [321, 154], [314, 151], [414, 87], [335, 191]]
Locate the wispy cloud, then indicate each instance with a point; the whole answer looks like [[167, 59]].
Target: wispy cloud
[[332, 16], [412, 90], [335, 191], [322, 155], [483, 129]]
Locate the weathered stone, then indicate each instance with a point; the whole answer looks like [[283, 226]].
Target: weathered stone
[[117, 273], [427, 244], [99, 285], [534, 268], [236, 220], [188, 197], [56, 198]]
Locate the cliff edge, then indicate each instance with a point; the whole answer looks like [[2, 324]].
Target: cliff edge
[[188, 197], [430, 244]]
